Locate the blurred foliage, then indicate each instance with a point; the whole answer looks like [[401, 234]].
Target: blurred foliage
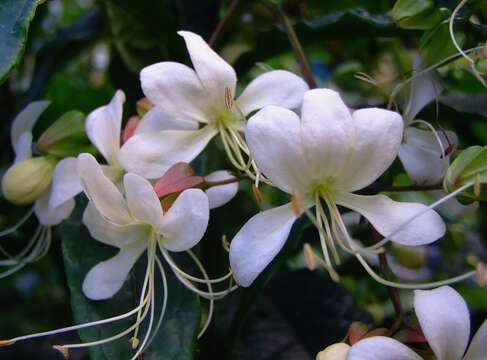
[[78, 52]]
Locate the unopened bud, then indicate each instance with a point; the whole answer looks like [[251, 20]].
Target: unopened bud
[[26, 180], [309, 257], [480, 273], [336, 351], [143, 106], [477, 186], [63, 350], [130, 127], [297, 204]]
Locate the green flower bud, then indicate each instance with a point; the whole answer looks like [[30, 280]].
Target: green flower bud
[[336, 351], [26, 180]]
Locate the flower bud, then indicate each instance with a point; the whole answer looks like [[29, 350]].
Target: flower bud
[[336, 351], [25, 181]]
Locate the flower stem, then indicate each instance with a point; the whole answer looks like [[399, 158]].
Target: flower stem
[[297, 48], [393, 293], [221, 24]]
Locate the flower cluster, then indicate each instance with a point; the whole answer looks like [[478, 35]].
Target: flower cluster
[[146, 200]]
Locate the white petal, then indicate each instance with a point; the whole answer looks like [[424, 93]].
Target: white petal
[[220, 195], [142, 200], [176, 90], [445, 321], [388, 216], [107, 277], [424, 89], [103, 126], [23, 150], [381, 348], [378, 135], [214, 73], [186, 221], [478, 347], [157, 120], [151, 154], [52, 216], [102, 192], [274, 139], [110, 233], [25, 121], [421, 155], [278, 87], [259, 241], [327, 132], [65, 182]]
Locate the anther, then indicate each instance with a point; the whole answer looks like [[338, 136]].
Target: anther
[[63, 350], [480, 274], [309, 257], [225, 242], [6, 342], [257, 194], [477, 186], [297, 204], [228, 98], [134, 342]]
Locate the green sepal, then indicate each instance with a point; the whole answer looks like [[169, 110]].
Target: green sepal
[[468, 167], [66, 136]]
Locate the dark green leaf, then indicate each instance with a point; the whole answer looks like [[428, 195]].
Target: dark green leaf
[[15, 18]]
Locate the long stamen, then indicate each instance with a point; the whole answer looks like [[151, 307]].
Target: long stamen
[[18, 224], [328, 233], [430, 207], [399, 285]]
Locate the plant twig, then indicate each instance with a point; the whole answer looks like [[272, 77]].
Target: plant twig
[[221, 24], [297, 48], [393, 293]]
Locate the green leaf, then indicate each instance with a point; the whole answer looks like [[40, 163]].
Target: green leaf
[[436, 44], [417, 14], [176, 338], [469, 166], [15, 18], [66, 136]]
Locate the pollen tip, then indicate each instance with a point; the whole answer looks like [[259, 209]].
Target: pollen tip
[[134, 342], [225, 242], [480, 274], [7, 342], [63, 350], [257, 194], [297, 204], [309, 257], [477, 187]]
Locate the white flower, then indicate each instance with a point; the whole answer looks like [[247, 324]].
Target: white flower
[[57, 202], [134, 223], [325, 156], [444, 318], [425, 160], [201, 102]]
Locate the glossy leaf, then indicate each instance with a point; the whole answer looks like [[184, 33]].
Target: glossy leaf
[[416, 14], [15, 18]]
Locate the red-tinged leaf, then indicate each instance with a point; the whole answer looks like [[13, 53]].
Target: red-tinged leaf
[[376, 332], [411, 336], [129, 129], [356, 331], [177, 178]]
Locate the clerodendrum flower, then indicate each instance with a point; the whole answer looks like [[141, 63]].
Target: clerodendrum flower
[[323, 158], [444, 318], [134, 222], [51, 184], [425, 154], [202, 101]]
